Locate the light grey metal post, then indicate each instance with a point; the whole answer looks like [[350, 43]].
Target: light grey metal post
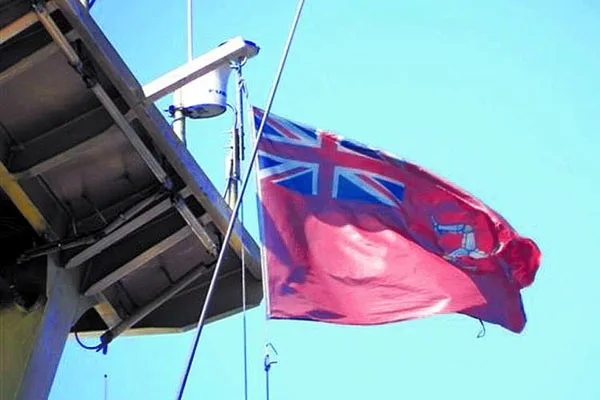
[[237, 139], [33, 341], [190, 32], [178, 117]]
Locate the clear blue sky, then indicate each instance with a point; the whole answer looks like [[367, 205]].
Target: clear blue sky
[[502, 98]]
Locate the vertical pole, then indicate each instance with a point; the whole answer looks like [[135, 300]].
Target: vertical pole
[[268, 387], [105, 387], [237, 157], [236, 139], [190, 33], [178, 118]]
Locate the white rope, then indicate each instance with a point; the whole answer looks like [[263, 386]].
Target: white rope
[[244, 321], [265, 275], [240, 127], [236, 208]]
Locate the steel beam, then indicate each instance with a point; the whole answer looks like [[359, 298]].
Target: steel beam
[[131, 212], [106, 311], [205, 238], [33, 59], [61, 156], [28, 62], [204, 284], [24, 204], [123, 218], [179, 288], [143, 311], [19, 25], [121, 232], [138, 262]]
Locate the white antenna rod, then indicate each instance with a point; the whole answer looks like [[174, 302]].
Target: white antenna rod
[[178, 117], [190, 33]]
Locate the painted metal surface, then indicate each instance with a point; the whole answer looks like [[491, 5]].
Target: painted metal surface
[[15, 192], [85, 157], [92, 178], [31, 342]]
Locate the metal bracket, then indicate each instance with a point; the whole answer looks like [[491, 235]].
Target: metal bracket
[[195, 225]]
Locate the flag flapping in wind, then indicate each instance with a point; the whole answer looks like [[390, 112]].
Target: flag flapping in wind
[[352, 235]]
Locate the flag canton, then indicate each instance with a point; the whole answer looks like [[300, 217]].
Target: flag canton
[[316, 163]]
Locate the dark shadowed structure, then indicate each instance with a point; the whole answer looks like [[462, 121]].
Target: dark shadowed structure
[[107, 223]]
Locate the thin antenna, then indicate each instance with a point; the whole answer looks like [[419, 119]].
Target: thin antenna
[[177, 114], [105, 387], [190, 40]]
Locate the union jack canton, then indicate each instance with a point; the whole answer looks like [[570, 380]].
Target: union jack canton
[[316, 163]]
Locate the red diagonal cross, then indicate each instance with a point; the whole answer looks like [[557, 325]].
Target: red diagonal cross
[[327, 156]]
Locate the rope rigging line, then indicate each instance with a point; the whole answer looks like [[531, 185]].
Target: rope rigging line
[[235, 211], [268, 360], [242, 95], [244, 320]]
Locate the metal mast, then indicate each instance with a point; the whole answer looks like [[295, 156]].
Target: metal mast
[[178, 117], [237, 138]]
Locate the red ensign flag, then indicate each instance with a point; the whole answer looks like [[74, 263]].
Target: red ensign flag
[[352, 235]]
